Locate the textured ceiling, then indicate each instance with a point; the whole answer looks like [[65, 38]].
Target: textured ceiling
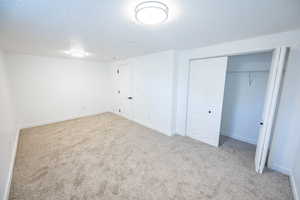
[[106, 27]]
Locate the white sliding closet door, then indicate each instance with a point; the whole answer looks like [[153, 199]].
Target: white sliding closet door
[[274, 83], [205, 99]]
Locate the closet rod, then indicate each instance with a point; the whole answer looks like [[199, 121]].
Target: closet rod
[[248, 71]]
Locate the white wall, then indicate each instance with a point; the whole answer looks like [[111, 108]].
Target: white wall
[[8, 130], [152, 90], [244, 100], [49, 89], [292, 38], [52, 89]]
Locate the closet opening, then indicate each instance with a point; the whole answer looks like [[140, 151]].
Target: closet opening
[[235, 97], [244, 96]]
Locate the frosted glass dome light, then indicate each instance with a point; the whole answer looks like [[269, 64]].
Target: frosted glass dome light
[[151, 12], [77, 52]]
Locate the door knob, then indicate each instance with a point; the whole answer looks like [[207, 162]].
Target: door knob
[[129, 97], [261, 123], [209, 112]]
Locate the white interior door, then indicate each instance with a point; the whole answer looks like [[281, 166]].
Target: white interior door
[[205, 99], [125, 90], [274, 83]]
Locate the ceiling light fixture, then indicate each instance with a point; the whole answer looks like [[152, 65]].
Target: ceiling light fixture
[[76, 52], [151, 12]]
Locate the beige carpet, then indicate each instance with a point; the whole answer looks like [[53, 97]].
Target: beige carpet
[[109, 157]]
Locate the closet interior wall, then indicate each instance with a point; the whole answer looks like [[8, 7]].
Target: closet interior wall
[[245, 88]]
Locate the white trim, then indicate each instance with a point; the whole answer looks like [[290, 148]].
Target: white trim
[[47, 122], [294, 188], [187, 100], [11, 167], [238, 137], [166, 133], [174, 93], [239, 53]]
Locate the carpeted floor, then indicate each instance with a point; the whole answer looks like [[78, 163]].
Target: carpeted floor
[[108, 157]]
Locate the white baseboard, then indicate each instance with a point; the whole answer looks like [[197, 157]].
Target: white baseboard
[[279, 168], [294, 188], [167, 133], [237, 137], [46, 122], [11, 167], [177, 134]]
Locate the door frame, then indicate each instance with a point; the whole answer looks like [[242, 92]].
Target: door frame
[[244, 52], [118, 66]]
